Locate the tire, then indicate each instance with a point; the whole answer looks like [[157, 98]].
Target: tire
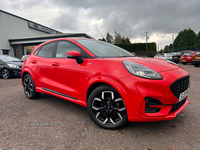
[[184, 63], [196, 65], [29, 87], [106, 108], [6, 74]]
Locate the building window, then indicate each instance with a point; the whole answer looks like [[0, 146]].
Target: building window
[[28, 49], [5, 52]]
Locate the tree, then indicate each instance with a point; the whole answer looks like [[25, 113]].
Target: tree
[[118, 38], [197, 41], [185, 39], [109, 38], [127, 40], [167, 49], [102, 39]]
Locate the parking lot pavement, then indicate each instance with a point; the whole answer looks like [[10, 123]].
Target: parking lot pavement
[[53, 123]]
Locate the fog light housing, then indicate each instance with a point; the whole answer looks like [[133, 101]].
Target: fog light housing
[[149, 102]]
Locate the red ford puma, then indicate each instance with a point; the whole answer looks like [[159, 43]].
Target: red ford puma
[[115, 86]]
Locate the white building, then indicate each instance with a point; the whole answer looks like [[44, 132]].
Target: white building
[[18, 36]]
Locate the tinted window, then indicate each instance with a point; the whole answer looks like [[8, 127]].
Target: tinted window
[[103, 49], [198, 53], [64, 47], [187, 54], [46, 50]]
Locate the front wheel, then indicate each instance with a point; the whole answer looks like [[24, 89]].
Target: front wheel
[[196, 65], [6, 73], [107, 108], [29, 87]]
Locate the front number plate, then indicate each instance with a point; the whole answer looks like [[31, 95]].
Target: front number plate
[[183, 95]]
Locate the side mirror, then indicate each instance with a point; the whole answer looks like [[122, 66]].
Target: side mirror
[[75, 55]]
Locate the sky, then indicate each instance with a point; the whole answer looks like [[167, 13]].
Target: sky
[[161, 19]]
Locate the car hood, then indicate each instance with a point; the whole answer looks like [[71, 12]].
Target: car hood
[[158, 65], [18, 63]]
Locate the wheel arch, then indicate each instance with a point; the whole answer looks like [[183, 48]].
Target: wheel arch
[[24, 72], [117, 85]]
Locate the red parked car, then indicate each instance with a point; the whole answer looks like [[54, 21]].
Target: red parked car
[[187, 57], [115, 86]]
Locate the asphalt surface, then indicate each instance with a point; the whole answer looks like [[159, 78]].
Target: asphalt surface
[[53, 123]]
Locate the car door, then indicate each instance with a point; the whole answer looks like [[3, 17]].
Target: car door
[[41, 65], [67, 76]]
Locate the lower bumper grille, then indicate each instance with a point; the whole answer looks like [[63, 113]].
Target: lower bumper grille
[[178, 105]]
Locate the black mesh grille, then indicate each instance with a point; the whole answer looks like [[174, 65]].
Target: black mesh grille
[[178, 105], [180, 86]]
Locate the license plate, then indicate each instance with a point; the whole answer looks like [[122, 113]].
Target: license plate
[[175, 57], [182, 60], [183, 95], [197, 57]]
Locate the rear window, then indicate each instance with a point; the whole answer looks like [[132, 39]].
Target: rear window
[[197, 53], [178, 53], [187, 54]]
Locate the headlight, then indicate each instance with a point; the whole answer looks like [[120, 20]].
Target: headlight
[[141, 71], [13, 66]]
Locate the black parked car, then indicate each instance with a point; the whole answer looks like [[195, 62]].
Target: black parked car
[[10, 66]]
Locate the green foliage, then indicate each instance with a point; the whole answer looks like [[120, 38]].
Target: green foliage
[[102, 39], [185, 39], [118, 38], [197, 41], [109, 38]]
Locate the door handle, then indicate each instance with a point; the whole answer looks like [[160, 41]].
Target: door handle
[[55, 64], [33, 61]]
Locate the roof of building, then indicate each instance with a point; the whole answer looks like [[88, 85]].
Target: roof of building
[[44, 38], [29, 21]]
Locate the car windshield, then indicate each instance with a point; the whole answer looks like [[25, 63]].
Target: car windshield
[[6, 58], [103, 49]]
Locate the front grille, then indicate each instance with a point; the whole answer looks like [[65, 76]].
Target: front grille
[[180, 86], [178, 105]]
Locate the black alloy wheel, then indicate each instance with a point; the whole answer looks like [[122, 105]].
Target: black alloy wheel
[[29, 87], [184, 63], [196, 65], [106, 108], [6, 74]]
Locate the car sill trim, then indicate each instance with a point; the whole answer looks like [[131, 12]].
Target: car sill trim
[[59, 93]]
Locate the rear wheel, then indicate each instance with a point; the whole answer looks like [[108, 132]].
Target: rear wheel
[[6, 73], [29, 87], [196, 65], [106, 108], [184, 63]]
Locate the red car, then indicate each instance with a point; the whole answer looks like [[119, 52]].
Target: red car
[[115, 86], [187, 57]]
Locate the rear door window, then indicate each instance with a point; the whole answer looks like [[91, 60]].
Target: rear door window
[[47, 50]]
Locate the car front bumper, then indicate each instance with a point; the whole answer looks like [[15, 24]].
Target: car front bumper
[[159, 91]]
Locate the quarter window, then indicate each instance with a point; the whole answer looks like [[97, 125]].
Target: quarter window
[[64, 47], [47, 50]]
